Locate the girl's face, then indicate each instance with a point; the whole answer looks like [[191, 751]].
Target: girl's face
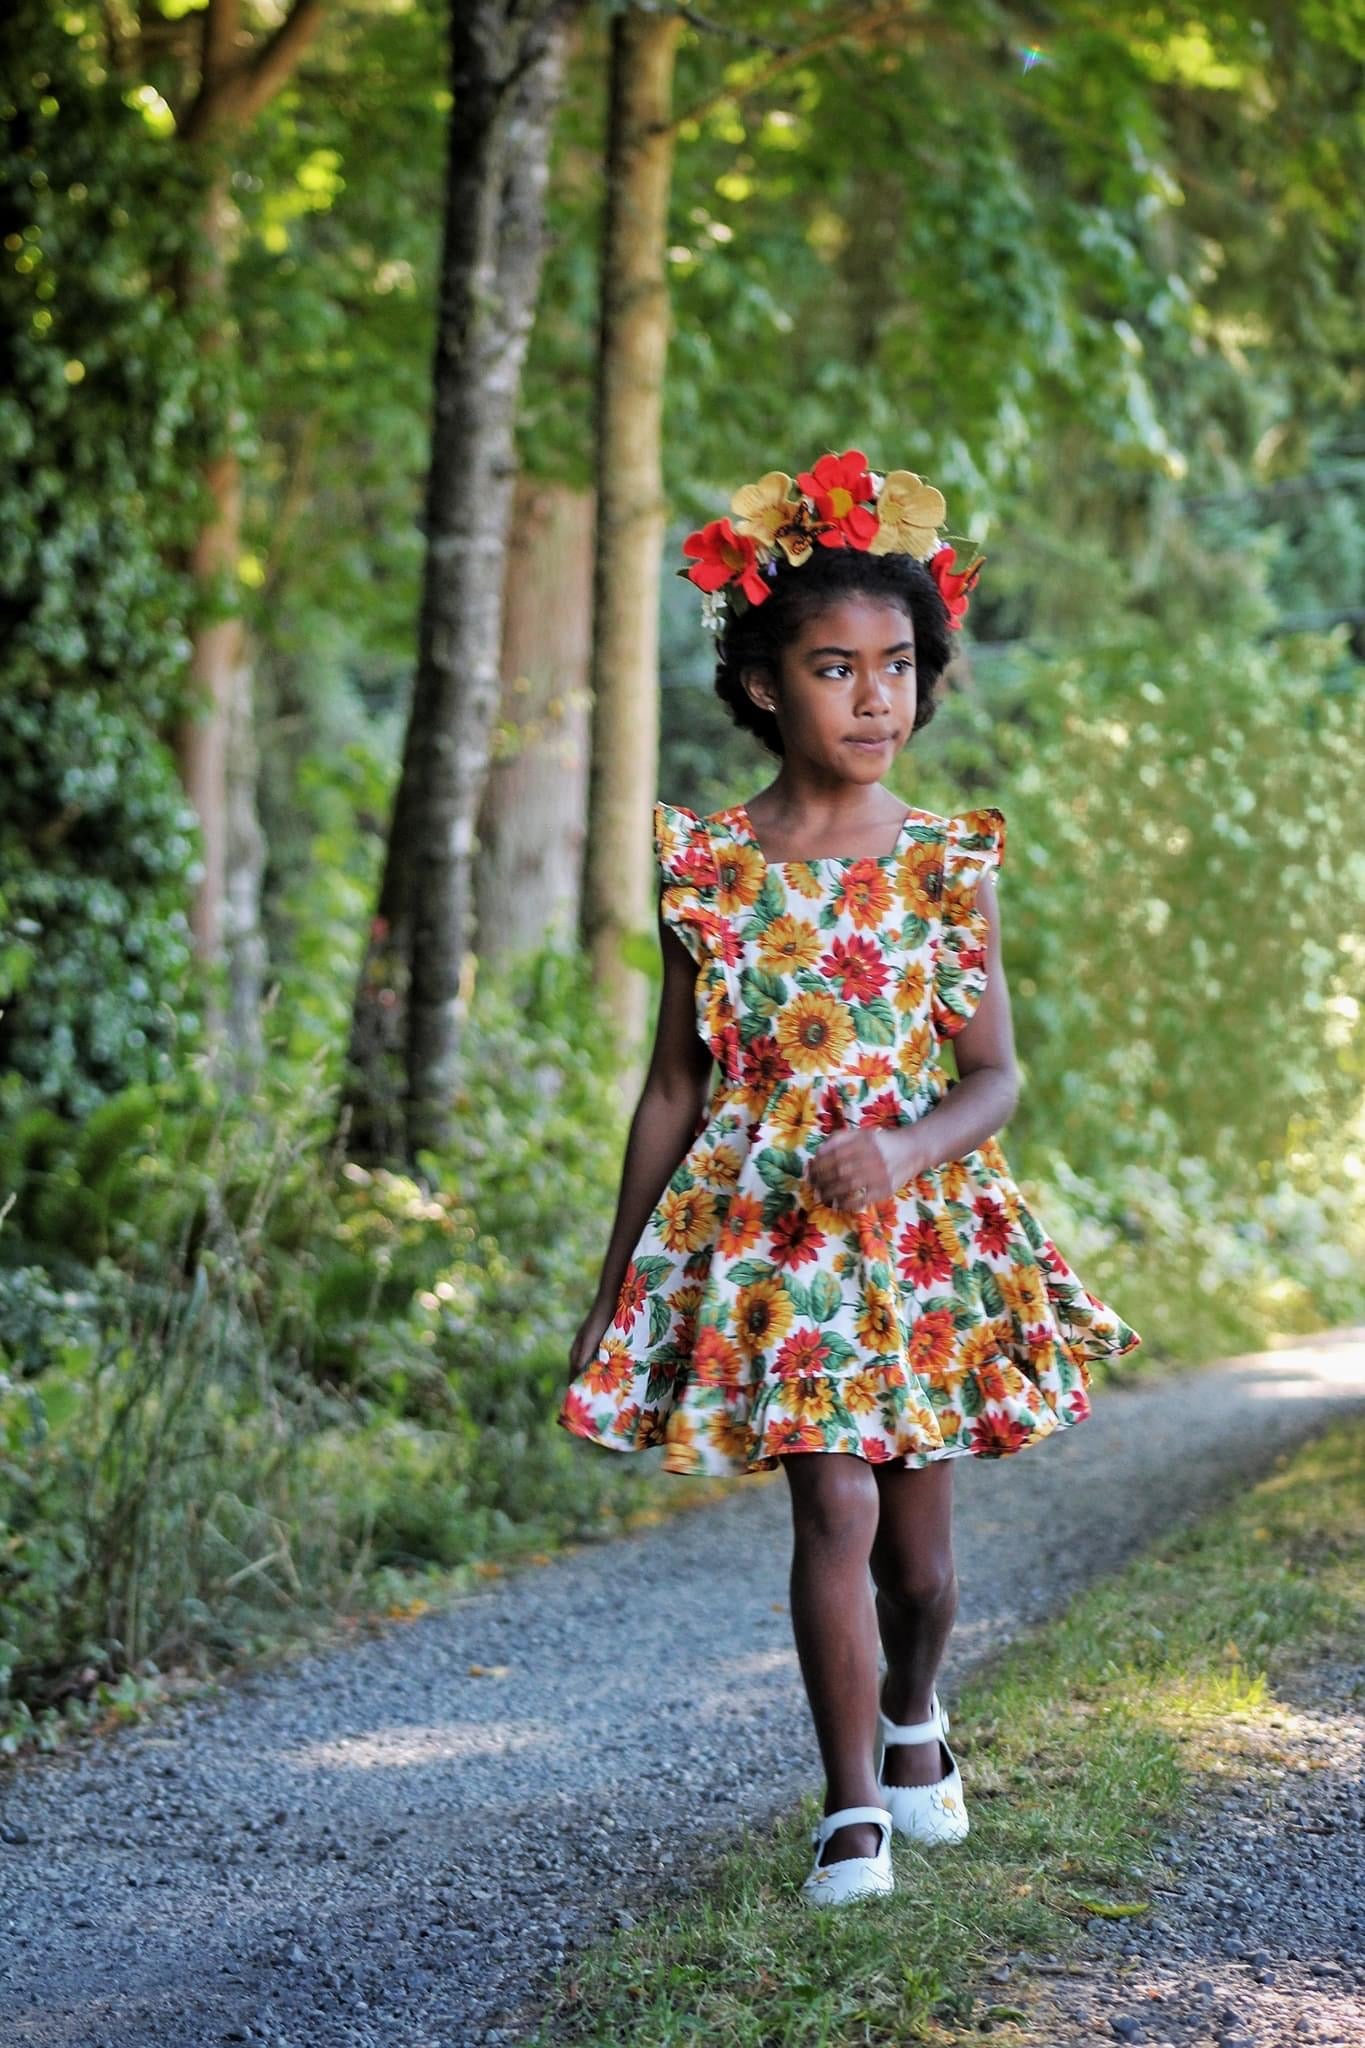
[[845, 701]]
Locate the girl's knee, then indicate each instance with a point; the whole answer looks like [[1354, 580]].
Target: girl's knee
[[834, 1500], [923, 1581]]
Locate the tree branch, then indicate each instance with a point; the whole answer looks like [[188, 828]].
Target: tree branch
[[861, 21], [232, 88]]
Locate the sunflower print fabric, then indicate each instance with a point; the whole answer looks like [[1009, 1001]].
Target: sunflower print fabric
[[753, 1321]]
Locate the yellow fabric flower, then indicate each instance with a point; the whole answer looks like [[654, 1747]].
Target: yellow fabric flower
[[687, 1219], [790, 942], [773, 515], [741, 870], [814, 1032], [792, 1120], [763, 1315], [909, 512]]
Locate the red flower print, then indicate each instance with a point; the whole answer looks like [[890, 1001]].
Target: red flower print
[[838, 486], [741, 1225], [795, 1239], [830, 1113], [802, 1355], [996, 1435], [723, 556], [865, 893], [577, 1415], [992, 1226], [991, 1380], [922, 1257], [932, 1343], [1078, 1404], [764, 1065], [634, 1290], [696, 867], [609, 1373], [727, 1049], [884, 1113], [625, 1422], [858, 967], [715, 1360], [953, 588], [876, 1451]]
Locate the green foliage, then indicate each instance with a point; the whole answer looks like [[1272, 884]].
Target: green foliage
[[97, 493], [240, 1378], [97, 845]]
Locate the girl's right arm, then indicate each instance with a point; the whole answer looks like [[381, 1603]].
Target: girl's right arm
[[666, 1116]]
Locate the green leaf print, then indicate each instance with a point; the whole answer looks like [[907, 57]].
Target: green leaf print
[[750, 1271], [763, 992], [876, 1021], [778, 1167], [914, 931], [654, 1270], [798, 1296], [660, 1316], [771, 903], [992, 1300], [969, 1396], [964, 1283], [838, 1351], [826, 1296]]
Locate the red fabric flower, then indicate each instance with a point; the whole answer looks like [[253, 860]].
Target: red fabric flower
[[724, 556], [954, 587], [838, 485]]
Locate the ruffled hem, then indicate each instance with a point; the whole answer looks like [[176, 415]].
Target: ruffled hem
[[989, 1408], [974, 845]]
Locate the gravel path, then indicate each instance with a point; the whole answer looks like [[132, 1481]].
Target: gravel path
[[1258, 1940], [372, 1848]]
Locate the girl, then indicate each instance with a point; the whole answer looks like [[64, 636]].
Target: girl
[[820, 1259]]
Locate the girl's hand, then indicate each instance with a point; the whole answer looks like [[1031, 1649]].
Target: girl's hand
[[591, 1331], [862, 1165]]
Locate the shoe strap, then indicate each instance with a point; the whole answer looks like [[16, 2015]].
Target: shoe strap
[[915, 1731], [844, 1816]]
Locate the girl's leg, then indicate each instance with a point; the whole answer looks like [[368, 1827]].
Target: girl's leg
[[834, 1520], [916, 1602]]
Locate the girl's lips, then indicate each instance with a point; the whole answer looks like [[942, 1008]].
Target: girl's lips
[[870, 746]]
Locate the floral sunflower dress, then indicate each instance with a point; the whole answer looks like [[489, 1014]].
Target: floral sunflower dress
[[753, 1321]]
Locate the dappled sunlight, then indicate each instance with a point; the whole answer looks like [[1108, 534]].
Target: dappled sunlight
[[1302, 1369], [743, 1684], [399, 1748]]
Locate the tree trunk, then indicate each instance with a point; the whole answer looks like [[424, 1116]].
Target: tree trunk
[[507, 63], [631, 510], [215, 746], [533, 822]]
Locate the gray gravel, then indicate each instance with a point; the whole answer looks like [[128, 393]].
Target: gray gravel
[[371, 1848], [1258, 1938]]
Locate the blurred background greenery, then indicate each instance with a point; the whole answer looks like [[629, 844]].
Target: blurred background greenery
[[1096, 273]]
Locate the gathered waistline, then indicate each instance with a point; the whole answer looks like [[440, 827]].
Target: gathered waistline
[[731, 1098]]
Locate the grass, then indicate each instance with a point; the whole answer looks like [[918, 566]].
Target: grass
[[1080, 1744]]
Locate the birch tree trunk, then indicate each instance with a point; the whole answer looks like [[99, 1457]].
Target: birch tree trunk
[[507, 62], [631, 510], [534, 818]]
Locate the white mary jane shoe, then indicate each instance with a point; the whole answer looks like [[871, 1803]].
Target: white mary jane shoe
[[851, 1877], [927, 1813]]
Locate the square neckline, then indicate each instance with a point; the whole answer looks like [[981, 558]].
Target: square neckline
[[739, 813]]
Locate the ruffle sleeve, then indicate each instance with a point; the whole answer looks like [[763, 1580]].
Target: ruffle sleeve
[[688, 880], [974, 845]]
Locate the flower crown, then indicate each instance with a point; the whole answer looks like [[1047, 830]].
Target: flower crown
[[840, 503]]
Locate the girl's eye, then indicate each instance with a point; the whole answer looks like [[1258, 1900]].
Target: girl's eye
[[835, 668]]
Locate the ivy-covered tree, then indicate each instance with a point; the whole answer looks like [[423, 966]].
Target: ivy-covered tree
[[97, 401]]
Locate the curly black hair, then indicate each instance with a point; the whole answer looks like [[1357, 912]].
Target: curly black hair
[[756, 637]]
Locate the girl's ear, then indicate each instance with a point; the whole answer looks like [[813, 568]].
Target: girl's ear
[[757, 684]]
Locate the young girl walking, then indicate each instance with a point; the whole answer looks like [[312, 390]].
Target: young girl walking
[[820, 1259]]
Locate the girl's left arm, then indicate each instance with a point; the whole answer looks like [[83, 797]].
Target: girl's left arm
[[983, 1101]]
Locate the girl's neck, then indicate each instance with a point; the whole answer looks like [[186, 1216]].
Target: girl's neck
[[809, 817]]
